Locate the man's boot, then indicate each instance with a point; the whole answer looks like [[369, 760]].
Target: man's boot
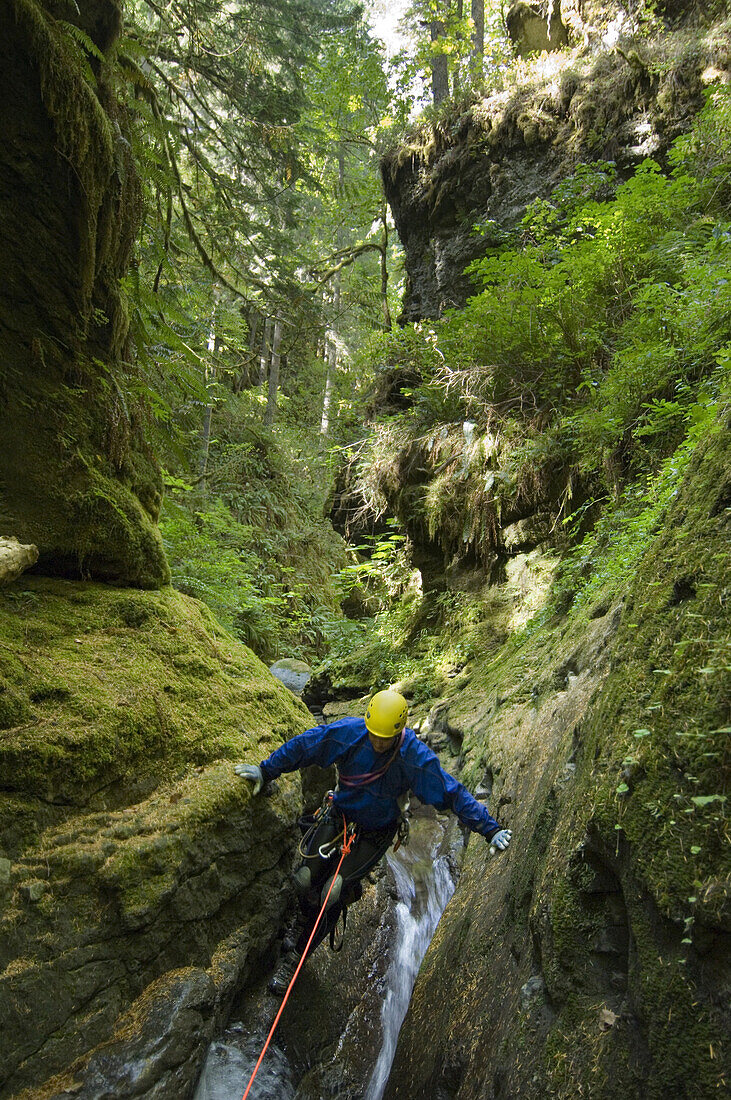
[[291, 937], [282, 976]]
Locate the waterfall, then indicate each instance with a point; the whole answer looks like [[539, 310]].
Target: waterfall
[[424, 888]]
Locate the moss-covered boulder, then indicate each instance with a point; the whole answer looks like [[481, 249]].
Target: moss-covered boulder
[[591, 958], [136, 871], [76, 477]]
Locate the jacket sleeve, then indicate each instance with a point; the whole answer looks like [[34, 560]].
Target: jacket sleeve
[[322, 745], [430, 783]]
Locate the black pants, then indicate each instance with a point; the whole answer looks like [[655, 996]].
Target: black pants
[[369, 848]]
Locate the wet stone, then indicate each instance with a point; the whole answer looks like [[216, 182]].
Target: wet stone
[[292, 673]]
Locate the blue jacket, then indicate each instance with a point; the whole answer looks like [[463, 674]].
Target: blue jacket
[[375, 805]]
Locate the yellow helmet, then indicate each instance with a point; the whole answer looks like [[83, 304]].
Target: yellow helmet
[[387, 713]]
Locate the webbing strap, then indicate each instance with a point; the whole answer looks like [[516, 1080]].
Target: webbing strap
[[370, 777]]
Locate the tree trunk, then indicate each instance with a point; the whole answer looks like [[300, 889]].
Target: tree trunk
[[331, 341], [208, 414], [273, 374], [387, 322], [478, 36], [205, 444], [332, 362], [456, 75], [439, 68], [264, 355], [247, 375]]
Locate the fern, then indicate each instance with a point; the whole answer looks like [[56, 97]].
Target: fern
[[84, 48]]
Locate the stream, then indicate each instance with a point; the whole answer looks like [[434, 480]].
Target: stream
[[423, 882], [423, 894]]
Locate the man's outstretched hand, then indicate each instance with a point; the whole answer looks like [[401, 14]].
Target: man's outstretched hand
[[252, 772], [501, 840]]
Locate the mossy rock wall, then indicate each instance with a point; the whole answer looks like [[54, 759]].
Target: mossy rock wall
[[140, 887], [592, 958], [76, 477]]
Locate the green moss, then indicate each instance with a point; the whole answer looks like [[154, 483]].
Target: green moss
[[194, 665], [14, 706], [133, 610], [49, 690], [78, 480], [650, 791], [518, 900], [667, 703], [604, 732], [110, 529], [119, 795], [109, 707], [83, 130]]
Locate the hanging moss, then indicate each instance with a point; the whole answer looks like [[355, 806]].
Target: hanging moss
[[82, 129], [78, 480]]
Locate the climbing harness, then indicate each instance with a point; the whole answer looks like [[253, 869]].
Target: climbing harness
[[311, 823], [326, 850], [347, 845]]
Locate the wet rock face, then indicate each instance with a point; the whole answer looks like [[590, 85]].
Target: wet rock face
[[77, 478], [158, 1047], [218, 918], [331, 1034], [328, 1039]]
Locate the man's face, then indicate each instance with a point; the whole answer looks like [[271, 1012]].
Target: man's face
[[381, 744]]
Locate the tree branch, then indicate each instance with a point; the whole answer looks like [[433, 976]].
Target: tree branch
[[349, 256]]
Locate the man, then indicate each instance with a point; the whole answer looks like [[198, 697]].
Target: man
[[378, 760]]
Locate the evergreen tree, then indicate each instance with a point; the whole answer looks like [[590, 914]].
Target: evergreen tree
[[454, 43]]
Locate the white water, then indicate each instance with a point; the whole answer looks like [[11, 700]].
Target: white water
[[423, 892], [230, 1064]]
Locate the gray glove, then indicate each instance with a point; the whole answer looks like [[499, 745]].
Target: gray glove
[[500, 840], [252, 772]]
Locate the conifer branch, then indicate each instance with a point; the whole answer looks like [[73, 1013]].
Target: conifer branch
[[349, 256]]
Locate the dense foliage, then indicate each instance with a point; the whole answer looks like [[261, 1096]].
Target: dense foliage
[[575, 383], [600, 329], [265, 270]]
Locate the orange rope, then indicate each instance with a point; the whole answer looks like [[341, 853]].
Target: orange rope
[[347, 845]]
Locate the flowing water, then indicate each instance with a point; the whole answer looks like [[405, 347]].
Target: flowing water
[[424, 885], [423, 893], [230, 1063]]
